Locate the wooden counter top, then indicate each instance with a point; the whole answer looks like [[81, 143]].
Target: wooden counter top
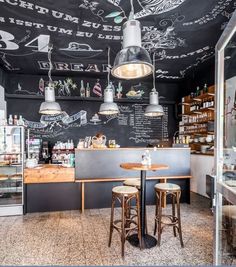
[[49, 173]]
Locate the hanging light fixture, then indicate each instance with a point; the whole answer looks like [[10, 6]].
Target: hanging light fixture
[[50, 106], [132, 61], [108, 107], [154, 109]]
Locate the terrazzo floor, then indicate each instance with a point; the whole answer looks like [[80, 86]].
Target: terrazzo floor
[[70, 238]]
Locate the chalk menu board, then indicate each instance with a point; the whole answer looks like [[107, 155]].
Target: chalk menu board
[[129, 128], [143, 130]]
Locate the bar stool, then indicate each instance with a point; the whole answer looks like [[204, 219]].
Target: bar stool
[[136, 183], [127, 224], [163, 189]]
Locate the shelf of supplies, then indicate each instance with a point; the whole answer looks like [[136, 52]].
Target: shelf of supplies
[[203, 96], [194, 123], [196, 133], [199, 111], [205, 143]]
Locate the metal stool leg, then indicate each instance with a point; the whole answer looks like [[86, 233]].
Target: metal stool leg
[[123, 221], [179, 220], [156, 213], [111, 221], [138, 220], [173, 212], [159, 219]]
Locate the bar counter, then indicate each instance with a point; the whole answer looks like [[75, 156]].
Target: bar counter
[[53, 188], [49, 173]]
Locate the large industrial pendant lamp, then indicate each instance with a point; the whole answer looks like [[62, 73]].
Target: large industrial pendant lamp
[[108, 107], [50, 106], [132, 61], [154, 109]]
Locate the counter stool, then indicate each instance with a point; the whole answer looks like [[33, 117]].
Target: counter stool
[[127, 224], [136, 183], [163, 189]]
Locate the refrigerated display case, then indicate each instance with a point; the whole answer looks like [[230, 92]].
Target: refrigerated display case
[[11, 170], [225, 147]]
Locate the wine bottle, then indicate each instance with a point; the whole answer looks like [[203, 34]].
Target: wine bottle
[[198, 91], [87, 90], [82, 89], [205, 88]]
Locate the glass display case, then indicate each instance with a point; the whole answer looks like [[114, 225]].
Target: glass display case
[[11, 170], [225, 158]]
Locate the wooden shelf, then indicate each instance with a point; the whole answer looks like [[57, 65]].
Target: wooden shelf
[[203, 96], [96, 99]]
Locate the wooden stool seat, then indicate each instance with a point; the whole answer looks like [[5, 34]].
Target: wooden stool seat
[[128, 222], [133, 182], [162, 190], [126, 190], [167, 187], [229, 211]]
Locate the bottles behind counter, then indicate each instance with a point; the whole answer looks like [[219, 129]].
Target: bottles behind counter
[[13, 120]]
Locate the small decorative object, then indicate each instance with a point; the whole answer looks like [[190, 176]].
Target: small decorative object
[[95, 118], [119, 90], [99, 141], [10, 120], [97, 89], [87, 90], [82, 89], [41, 86], [134, 94], [146, 158]]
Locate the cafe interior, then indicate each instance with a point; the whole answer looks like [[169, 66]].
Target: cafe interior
[[117, 132]]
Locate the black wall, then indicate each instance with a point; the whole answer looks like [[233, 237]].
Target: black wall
[[198, 77], [26, 102]]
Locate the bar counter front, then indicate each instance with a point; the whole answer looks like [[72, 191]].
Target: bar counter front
[[97, 171]]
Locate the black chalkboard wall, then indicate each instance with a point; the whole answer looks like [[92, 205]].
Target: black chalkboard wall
[[130, 128]]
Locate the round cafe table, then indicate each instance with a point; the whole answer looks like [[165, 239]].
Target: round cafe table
[[147, 241]]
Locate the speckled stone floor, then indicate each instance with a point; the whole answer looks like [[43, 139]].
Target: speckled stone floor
[[69, 238]]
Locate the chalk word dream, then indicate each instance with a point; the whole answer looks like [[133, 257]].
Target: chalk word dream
[[77, 67]]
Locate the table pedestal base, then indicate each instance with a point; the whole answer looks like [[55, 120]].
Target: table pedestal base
[[148, 241]]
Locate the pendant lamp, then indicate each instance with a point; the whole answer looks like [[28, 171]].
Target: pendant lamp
[[154, 109], [50, 106], [108, 107], [132, 61]]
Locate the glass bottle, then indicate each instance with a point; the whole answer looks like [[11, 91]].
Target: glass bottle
[[10, 120], [198, 91], [15, 120], [205, 88], [87, 90], [82, 89]]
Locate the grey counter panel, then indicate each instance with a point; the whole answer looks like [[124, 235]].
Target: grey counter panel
[[106, 163]]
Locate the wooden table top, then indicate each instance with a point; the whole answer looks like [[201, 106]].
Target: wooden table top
[[140, 167]]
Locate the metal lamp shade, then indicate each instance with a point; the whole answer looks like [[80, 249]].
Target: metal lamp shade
[[154, 109], [132, 61], [50, 106], [108, 107]]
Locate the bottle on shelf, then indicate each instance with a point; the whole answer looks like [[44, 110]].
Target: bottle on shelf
[[15, 120], [82, 89], [87, 90], [21, 121], [205, 88], [10, 120], [198, 91]]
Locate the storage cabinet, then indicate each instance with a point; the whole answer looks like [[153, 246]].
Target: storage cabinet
[[11, 170]]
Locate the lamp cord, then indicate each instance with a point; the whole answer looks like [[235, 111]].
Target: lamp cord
[[50, 47], [131, 14], [108, 62], [154, 72]]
